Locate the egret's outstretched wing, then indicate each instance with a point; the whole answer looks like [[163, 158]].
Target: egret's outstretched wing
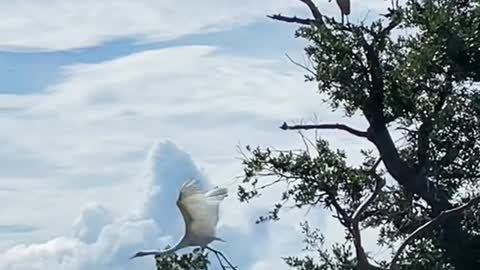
[[199, 209]]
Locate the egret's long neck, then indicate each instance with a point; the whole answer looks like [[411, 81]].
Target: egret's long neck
[[146, 253], [181, 244]]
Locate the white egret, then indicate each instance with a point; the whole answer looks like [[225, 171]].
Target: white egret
[[200, 215]]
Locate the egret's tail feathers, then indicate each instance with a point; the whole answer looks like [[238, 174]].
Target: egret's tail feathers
[[190, 182], [217, 194]]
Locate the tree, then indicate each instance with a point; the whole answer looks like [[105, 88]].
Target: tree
[[423, 86], [197, 259]]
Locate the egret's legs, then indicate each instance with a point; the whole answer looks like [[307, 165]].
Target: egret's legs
[[220, 260], [217, 253]]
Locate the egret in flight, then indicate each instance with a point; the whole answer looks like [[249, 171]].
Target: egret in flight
[[200, 215]]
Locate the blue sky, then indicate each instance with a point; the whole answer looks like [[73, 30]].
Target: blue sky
[[107, 106]]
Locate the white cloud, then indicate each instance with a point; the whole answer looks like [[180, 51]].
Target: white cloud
[[110, 251], [90, 223]]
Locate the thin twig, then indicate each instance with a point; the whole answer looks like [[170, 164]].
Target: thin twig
[[304, 140], [428, 225], [395, 21], [363, 206], [302, 66], [320, 197], [342, 216], [344, 127]]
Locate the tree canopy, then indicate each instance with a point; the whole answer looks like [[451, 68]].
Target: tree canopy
[[414, 71]]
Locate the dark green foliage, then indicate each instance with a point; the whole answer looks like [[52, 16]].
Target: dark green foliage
[[450, 31], [321, 178], [198, 260]]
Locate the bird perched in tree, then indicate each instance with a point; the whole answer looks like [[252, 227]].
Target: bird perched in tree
[[200, 214], [344, 6]]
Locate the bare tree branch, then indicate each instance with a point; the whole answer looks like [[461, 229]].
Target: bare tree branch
[[396, 19], [293, 19], [357, 238], [314, 9], [302, 66], [350, 130], [380, 182], [428, 225], [352, 223], [306, 142], [342, 215], [318, 20]]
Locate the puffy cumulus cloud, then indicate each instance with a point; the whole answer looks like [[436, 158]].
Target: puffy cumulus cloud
[[115, 244], [52, 254], [63, 25], [102, 242], [168, 169], [91, 221]]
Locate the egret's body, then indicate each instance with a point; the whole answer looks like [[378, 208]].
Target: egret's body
[[200, 214]]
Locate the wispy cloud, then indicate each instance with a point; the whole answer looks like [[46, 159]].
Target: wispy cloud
[[16, 228], [60, 25]]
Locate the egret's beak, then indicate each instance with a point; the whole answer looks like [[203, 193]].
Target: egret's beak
[[138, 254]]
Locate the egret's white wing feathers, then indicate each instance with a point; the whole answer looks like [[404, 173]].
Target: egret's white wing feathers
[[200, 211], [217, 194], [189, 193]]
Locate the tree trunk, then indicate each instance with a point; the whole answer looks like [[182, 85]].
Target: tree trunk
[[453, 238]]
